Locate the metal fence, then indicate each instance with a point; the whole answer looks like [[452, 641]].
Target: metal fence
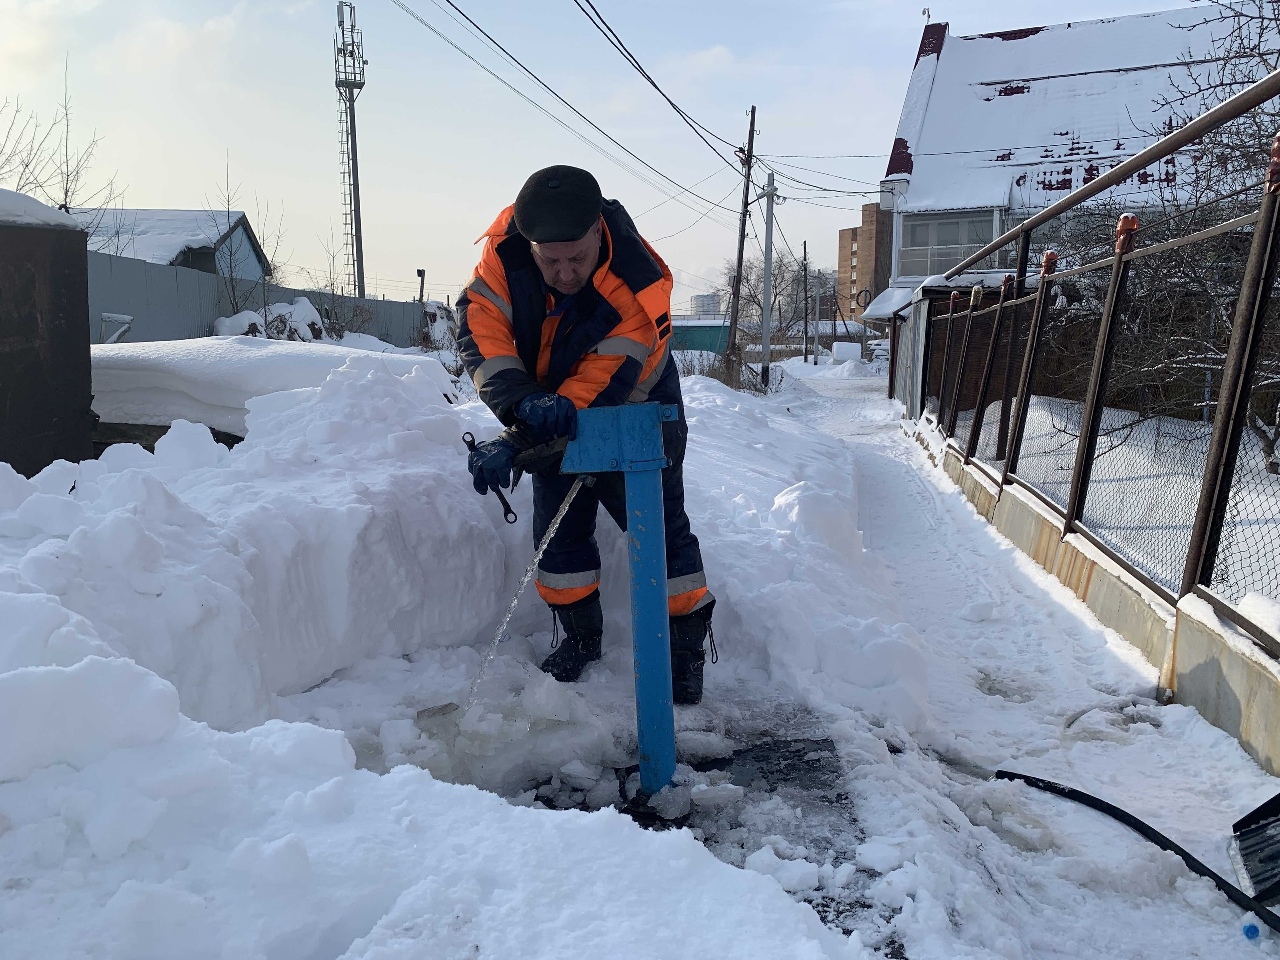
[[1134, 391], [178, 303]]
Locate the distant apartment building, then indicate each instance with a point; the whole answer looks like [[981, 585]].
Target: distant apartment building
[[705, 303], [863, 261]]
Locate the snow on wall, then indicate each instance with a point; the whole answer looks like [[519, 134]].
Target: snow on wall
[[19, 210], [1022, 118]]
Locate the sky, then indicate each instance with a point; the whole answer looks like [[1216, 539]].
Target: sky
[[186, 96]]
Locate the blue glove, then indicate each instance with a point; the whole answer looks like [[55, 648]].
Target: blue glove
[[490, 464], [550, 415]]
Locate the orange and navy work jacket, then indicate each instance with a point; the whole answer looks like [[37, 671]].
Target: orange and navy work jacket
[[606, 345]]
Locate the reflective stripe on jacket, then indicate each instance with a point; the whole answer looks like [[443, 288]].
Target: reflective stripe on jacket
[[608, 344]]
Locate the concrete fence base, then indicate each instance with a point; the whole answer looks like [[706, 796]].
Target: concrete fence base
[[1204, 661]]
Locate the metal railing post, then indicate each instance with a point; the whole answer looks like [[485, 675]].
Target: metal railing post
[[1091, 417], [975, 298], [893, 352], [988, 367], [1237, 379], [946, 356], [1019, 291], [1048, 265]]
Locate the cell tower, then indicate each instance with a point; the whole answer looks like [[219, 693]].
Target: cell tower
[[348, 67]]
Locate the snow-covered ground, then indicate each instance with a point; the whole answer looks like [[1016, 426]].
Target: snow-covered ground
[[322, 597]]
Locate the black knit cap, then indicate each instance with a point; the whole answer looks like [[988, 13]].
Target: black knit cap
[[557, 204]]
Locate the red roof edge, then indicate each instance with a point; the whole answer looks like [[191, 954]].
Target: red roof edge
[[931, 40], [900, 159]]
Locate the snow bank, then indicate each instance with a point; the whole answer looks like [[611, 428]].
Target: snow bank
[[210, 380], [343, 533], [840, 370], [343, 527]]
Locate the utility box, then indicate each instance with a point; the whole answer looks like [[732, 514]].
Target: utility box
[[45, 373]]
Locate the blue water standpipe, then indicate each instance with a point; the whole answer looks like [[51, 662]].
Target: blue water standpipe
[[628, 439]]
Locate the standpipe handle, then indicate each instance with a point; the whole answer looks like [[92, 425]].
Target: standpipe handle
[[508, 514]]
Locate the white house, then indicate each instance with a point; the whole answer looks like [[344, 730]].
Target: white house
[[997, 126], [212, 241]]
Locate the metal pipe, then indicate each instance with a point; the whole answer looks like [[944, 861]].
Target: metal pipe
[[1225, 112]]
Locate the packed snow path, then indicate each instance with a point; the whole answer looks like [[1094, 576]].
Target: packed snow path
[[1022, 676], [880, 646]]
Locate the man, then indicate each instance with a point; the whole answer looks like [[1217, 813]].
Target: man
[[569, 308]]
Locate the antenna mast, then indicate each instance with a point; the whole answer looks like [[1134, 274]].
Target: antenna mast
[[348, 66]]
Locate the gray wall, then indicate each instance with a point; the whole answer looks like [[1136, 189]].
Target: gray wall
[[176, 303], [166, 303]]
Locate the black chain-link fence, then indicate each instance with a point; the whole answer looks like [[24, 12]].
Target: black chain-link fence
[[992, 447], [1248, 558], [1169, 337], [1061, 363], [962, 400], [936, 361], [955, 348]]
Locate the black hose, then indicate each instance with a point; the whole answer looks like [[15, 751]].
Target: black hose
[[1232, 893]]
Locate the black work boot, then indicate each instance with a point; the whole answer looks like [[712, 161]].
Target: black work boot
[[583, 624], [687, 654]]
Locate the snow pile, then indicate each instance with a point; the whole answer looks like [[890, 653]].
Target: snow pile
[[211, 380], [342, 533], [19, 210], [846, 370]]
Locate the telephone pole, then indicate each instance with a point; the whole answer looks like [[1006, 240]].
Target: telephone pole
[[770, 191], [806, 304], [735, 298]]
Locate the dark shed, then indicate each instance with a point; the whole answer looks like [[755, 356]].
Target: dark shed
[[45, 373]]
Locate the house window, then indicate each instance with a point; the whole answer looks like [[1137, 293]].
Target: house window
[[934, 244]]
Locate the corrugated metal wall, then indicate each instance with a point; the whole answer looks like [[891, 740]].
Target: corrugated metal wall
[[166, 303], [176, 303]]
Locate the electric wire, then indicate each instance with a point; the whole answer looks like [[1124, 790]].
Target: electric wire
[[732, 190], [602, 25], [669, 199], [938, 153], [517, 62], [540, 108]]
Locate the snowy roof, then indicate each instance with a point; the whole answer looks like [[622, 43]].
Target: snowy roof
[[699, 319], [19, 210], [887, 303], [161, 236], [1022, 117]]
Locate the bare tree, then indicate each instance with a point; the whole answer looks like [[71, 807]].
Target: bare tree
[[62, 174], [25, 148]]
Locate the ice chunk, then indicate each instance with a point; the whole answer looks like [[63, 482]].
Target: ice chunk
[[795, 876], [719, 795], [121, 820], [579, 775], [671, 802]]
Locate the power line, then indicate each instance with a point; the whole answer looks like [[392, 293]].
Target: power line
[[599, 22], [546, 112], [835, 176], [818, 188], [937, 153], [732, 190], [669, 199]]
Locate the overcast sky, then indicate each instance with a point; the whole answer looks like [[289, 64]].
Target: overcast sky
[[174, 88]]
